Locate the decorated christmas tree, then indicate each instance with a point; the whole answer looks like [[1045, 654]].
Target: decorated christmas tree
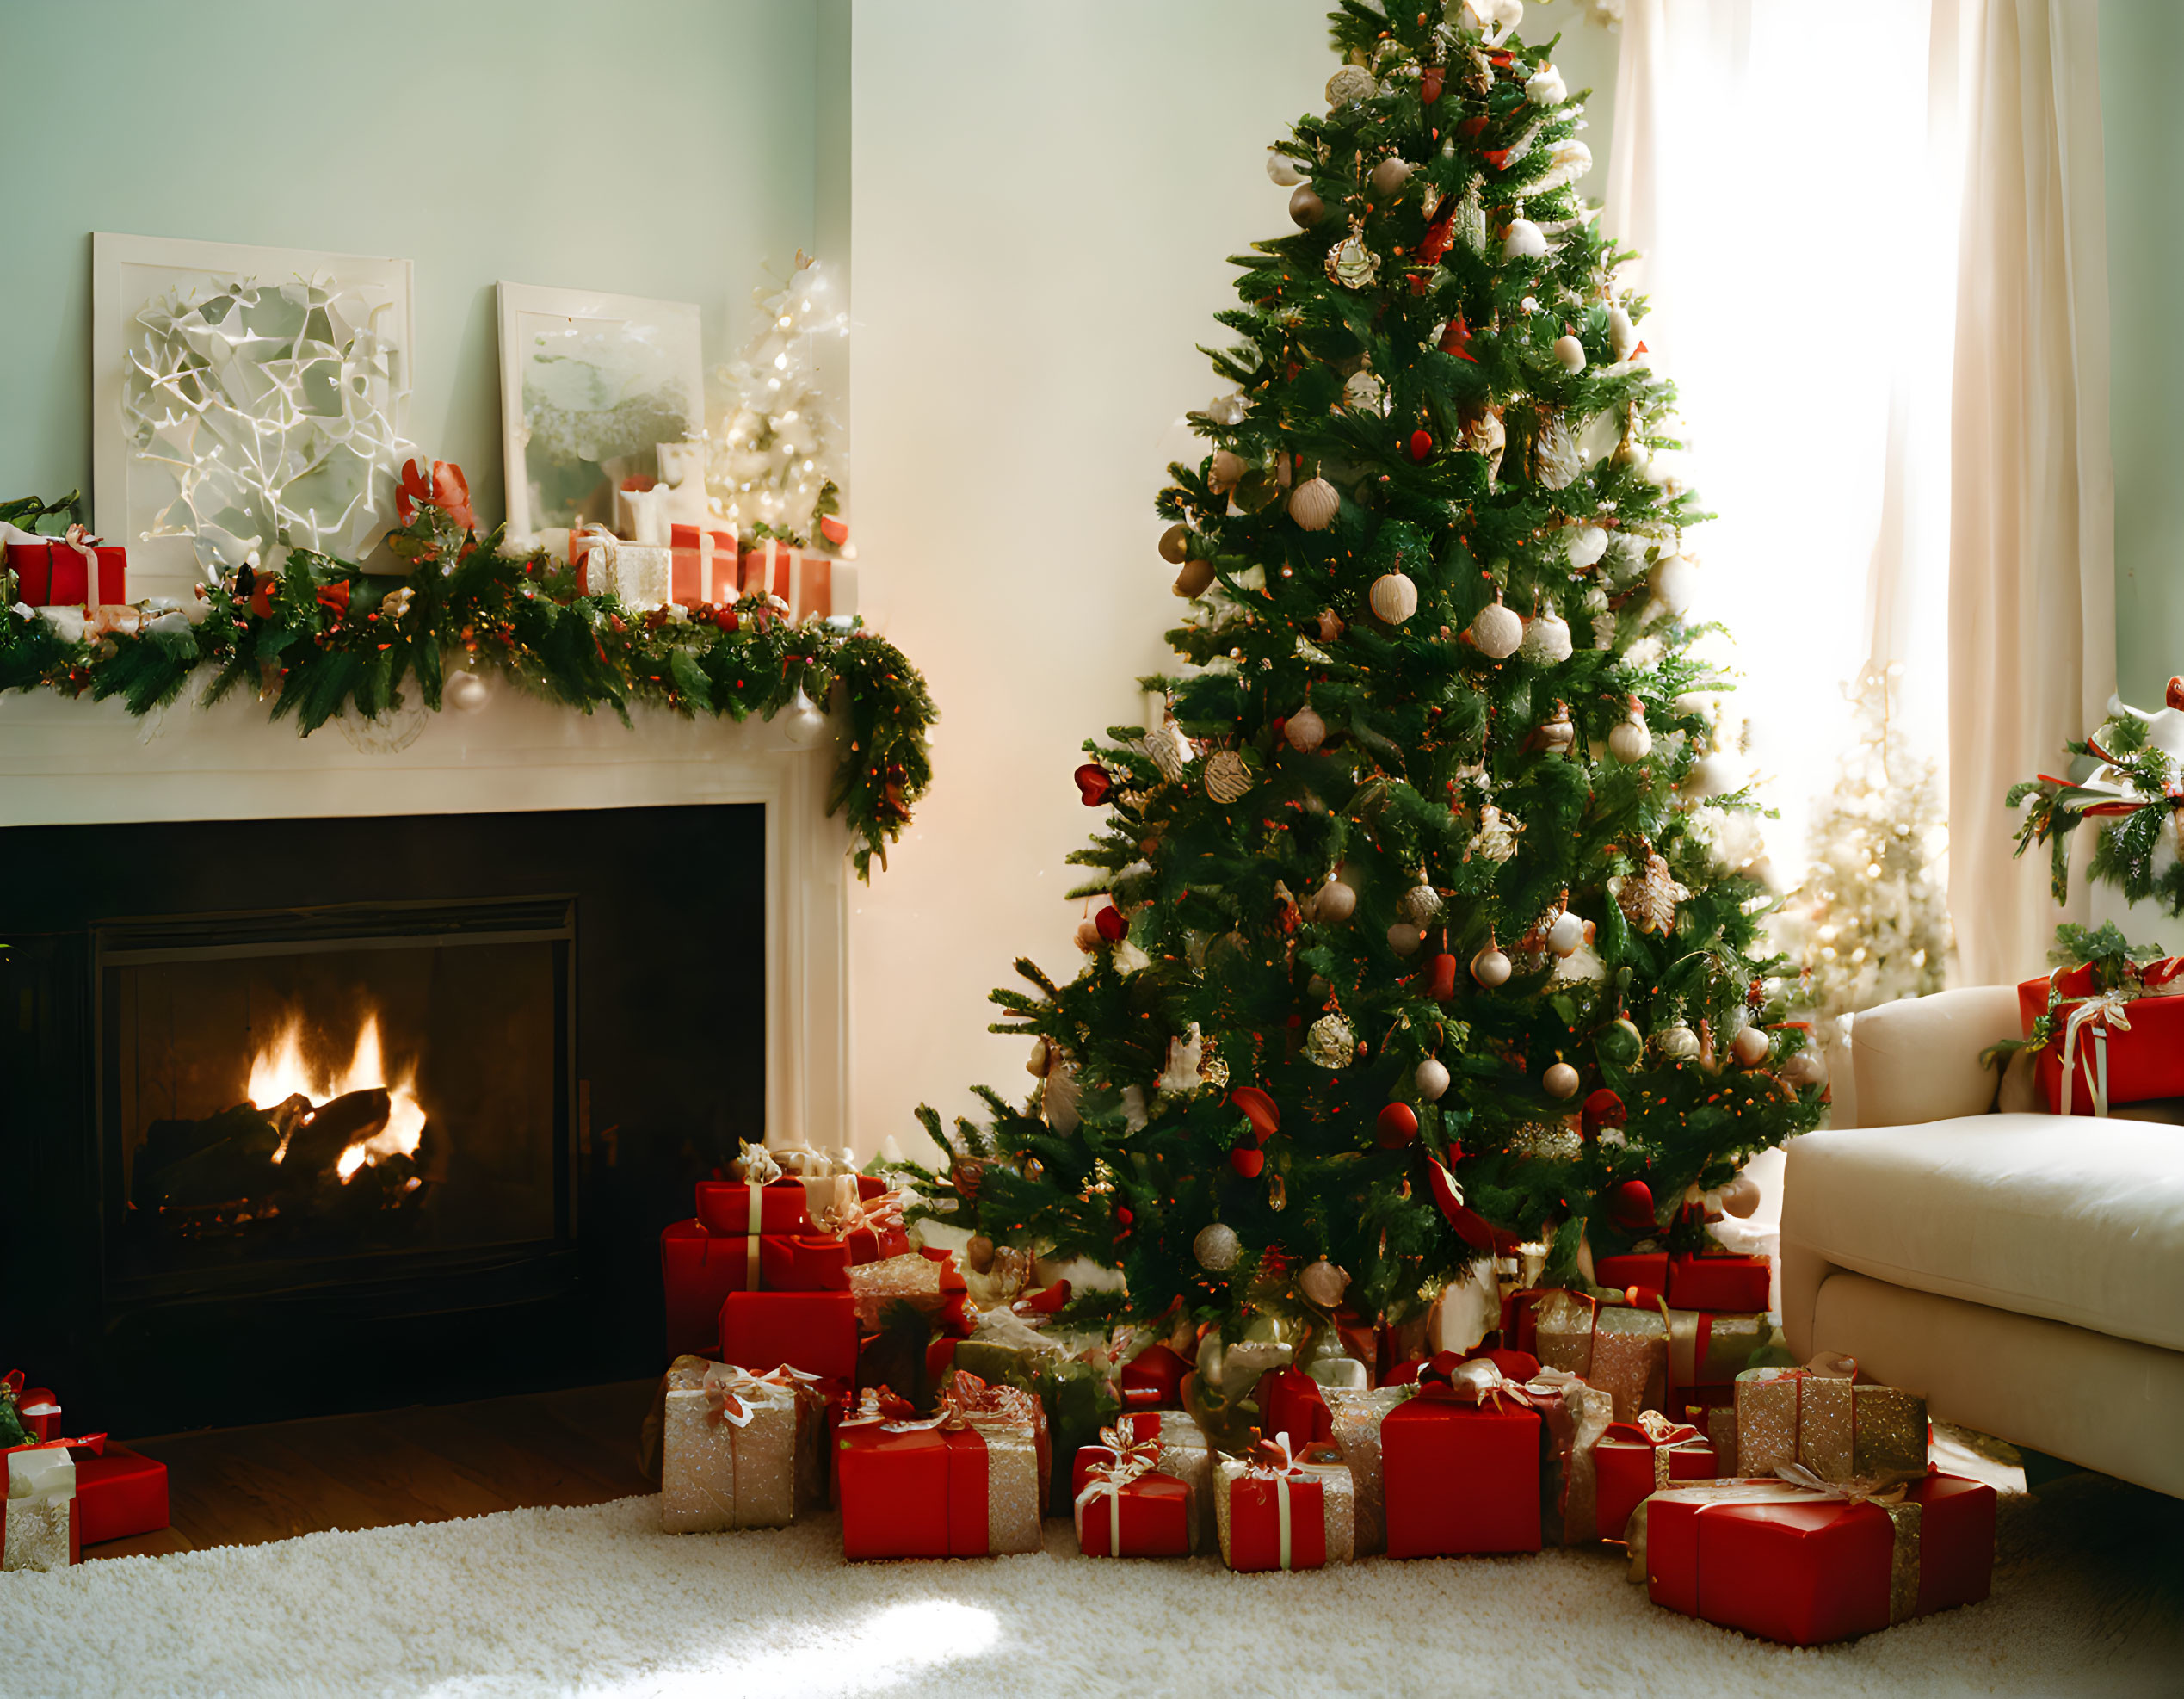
[[1412, 946]]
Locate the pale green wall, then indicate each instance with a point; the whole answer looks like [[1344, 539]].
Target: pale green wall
[[662, 148], [2142, 68]]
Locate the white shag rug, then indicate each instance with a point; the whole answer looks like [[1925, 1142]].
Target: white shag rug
[[596, 1601]]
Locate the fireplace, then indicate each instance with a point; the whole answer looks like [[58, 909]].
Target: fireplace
[[324, 1113]]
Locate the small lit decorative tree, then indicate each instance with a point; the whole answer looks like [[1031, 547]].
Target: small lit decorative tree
[[772, 463]]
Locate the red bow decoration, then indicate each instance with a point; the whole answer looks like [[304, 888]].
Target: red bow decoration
[[1476, 1380], [334, 597]]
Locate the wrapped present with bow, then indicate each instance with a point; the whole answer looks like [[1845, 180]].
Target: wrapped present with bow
[[928, 1279], [738, 1450], [2123, 1043], [1806, 1561], [1352, 1416], [1635, 1460], [27, 1413], [815, 1331], [1291, 1402], [871, 1228], [41, 1520], [800, 579], [1277, 1510], [638, 575], [1177, 1449], [1125, 1505], [1620, 1350], [74, 571], [1460, 1460], [964, 1483], [1820, 1418], [766, 1202], [707, 566], [700, 1268]]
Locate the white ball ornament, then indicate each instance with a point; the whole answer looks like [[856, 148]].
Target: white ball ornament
[[1587, 544], [1282, 169], [1674, 581], [1304, 729], [805, 723], [467, 693], [1680, 1043], [1806, 1069], [1622, 334], [1546, 641], [1336, 903], [1314, 503], [1404, 937], [1431, 1078], [1496, 632], [1490, 967], [1629, 741], [1567, 935], [1217, 1247], [1570, 352], [1544, 86], [1394, 597], [1749, 1047], [1561, 1080], [1525, 241]]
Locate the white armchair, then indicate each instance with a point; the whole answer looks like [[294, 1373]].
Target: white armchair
[[2025, 1271]]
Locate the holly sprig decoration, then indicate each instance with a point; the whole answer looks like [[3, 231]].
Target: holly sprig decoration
[[322, 634]]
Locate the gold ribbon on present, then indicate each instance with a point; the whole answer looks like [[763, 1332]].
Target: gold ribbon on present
[[1667, 1438], [1576, 1415]]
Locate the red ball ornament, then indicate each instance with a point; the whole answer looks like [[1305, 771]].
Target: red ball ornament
[[1247, 1160], [1122, 1214], [1094, 782], [1441, 978], [1259, 1109], [1631, 1206], [1397, 1126], [1602, 1109], [1429, 82], [1112, 927], [1422, 444]]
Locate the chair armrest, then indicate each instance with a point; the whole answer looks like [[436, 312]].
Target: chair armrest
[[1917, 1058]]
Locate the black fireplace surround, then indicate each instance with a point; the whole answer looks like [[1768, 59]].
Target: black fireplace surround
[[311, 1116]]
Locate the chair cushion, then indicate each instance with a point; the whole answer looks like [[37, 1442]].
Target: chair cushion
[[1917, 1058], [2077, 1220]]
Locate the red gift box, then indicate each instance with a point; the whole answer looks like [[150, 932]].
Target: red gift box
[[699, 1269], [803, 579], [954, 1485], [1153, 1379], [1460, 1465], [1806, 1567], [816, 1331], [36, 1408], [1635, 1460], [725, 1207], [121, 1493], [1276, 1510], [1127, 1509], [876, 1233], [1648, 1271], [706, 565], [55, 572], [1719, 1283], [2143, 1061], [1291, 1402]]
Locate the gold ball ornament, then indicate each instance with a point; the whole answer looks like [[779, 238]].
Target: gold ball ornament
[[1195, 579], [1314, 503], [1322, 1283], [1226, 471], [1176, 545], [1403, 938], [1330, 1043], [1390, 174], [1032, 1170], [1561, 1080], [1217, 1247], [1227, 778], [1394, 597], [1304, 731], [1420, 906], [1490, 967], [1749, 1047], [1680, 1043], [1335, 903], [1496, 632], [1305, 208]]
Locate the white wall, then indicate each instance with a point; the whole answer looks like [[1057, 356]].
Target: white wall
[[1043, 196]]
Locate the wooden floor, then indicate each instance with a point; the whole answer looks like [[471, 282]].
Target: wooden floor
[[242, 1487]]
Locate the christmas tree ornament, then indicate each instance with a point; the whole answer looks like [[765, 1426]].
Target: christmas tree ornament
[[1547, 1141], [1431, 1077], [1305, 208], [1352, 83], [1490, 967], [1588, 543], [1403, 938], [1680, 1044], [1524, 240], [1750, 1047], [1217, 1247], [1805, 1070], [1619, 1043], [1558, 450], [1350, 261], [1560, 1080], [1226, 471], [467, 692], [1094, 782], [1495, 840], [1282, 169], [977, 1253], [1556, 734], [1314, 503], [1322, 1284], [1304, 731], [1195, 579], [1546, 641], [1396, 1126], [1212, 1070], [1566, 934], [1439, 981], [1036, 1063], [1622, 335], [1088, 934], [1168, 750], [1364, 392], [1394, 597], [1630, 740], [1390, 174], [1330, 624], [1277, 1192], [1421, 445], [1631, 1207], [1247, 1160], [1259, 1109], [1544, 86], [1176, 545], [1335, 903], [1603, 1112], [803, 723], [1741, 1197], [1570, 353], [1674, 582], [1111, 925], [1330, 1043], [1420, 905], [1058, 1100], [1227, 777], [1497, 631], [1487, 436], [1032, 1170], [1649, 897]]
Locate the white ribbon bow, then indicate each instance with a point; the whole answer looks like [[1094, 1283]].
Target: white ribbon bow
[[2109, 1012]]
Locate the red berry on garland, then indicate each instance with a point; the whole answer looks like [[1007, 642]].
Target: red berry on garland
[[1397, 1126], [1422, 444], [1631, 1206], [1094, 782], [1247, 1160], [1259, 1109], [1112, 927], [724, 618]]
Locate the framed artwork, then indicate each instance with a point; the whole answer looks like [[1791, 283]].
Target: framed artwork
[[244, 400], [590, 385]]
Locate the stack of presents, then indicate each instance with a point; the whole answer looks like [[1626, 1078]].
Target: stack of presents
[[1792, 1503], [66, 1494]]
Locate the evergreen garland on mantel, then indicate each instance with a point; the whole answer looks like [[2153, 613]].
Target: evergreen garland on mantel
[[322, 634]]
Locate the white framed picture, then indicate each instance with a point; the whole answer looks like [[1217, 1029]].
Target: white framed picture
[[244, 399], [590, 385]]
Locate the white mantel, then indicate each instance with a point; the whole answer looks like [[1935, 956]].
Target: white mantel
[[81, 763]]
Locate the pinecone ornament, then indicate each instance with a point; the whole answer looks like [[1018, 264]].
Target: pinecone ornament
[[1649, 897]]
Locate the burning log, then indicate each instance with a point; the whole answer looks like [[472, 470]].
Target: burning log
[[225, 1156], [321, 1136]]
